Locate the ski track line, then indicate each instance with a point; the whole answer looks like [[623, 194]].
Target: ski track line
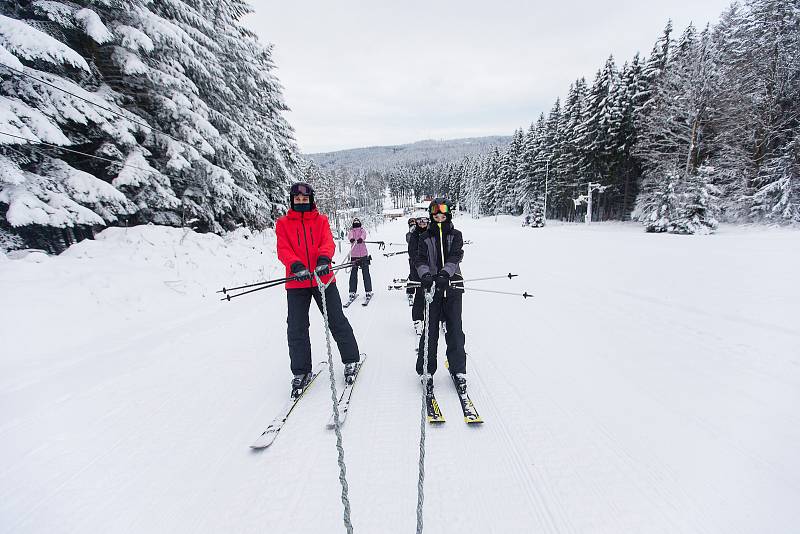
[[535, 487], [23, 519], [688, 417], [702, 337]]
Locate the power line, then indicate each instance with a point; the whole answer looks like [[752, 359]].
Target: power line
[[116, 162], [122, 115]]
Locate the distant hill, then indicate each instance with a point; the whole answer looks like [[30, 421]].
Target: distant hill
[[383, 157]]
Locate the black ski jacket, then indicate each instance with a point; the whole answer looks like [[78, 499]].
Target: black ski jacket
[[431, 246]]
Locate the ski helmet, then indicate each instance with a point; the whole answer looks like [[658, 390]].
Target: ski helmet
[[302, 188], [441, 205]]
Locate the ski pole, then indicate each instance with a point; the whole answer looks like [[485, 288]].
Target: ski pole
[[265, 282], [524, 295], [509, 276], [381, 244], [272, 283], [387, 254]]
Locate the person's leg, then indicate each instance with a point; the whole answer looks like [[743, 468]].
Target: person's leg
[[354, 278], [454, 337], [340, 327], [418, 309], [367, 278], [298, 302], [433, 336]]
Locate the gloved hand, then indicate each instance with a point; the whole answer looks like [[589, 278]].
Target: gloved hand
[[352, 241], [323, 265], [359, 240], [426, 280], [442, 279], [300, 271]]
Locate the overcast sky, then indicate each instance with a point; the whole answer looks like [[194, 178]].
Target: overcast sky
[[364, 73]]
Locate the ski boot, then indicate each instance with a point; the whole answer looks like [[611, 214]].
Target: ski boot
[[350, 372], [460, 380], [418, 328], [299, 383], [428, 386]]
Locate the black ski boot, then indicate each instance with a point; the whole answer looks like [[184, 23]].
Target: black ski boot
[[428, 386], [299, 383], [460, 380], [350, 372]]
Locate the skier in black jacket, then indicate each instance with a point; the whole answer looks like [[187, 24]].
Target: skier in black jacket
[[418, 302], [438, 259]]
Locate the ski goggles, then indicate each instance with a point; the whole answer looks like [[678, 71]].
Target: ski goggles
[[301, 189], [439, 208], [422, 220]]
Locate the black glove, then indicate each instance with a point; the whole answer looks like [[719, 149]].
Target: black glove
[[323, 265], [442, 279], [426, 280], [359, 240], [352, 240], [300, 271]]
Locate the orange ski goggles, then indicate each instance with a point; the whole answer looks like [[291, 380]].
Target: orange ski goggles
[[439, 208]]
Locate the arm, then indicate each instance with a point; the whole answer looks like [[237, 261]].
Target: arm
[[421, 257], [286, 254]]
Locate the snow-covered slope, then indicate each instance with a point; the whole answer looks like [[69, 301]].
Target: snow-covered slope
[[652, 385]]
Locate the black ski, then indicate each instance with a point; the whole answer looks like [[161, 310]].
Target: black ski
[[367, 299], [350, 300]]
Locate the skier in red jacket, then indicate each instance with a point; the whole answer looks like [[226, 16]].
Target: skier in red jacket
[[305, 243]]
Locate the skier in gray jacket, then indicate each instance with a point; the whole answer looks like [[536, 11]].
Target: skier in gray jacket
[[438, 260]]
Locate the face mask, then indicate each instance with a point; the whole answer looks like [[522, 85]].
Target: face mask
[[301, 207], [356, 225]]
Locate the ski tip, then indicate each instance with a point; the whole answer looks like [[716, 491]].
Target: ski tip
[[436, 420], [472, 421]]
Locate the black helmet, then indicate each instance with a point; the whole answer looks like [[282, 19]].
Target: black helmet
[[441, 205], [302, 188]]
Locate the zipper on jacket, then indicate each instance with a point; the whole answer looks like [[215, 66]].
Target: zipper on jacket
[[312, 235], [308, 256]]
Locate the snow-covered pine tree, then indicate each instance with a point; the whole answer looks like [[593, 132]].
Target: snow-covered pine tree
[[52, 97]]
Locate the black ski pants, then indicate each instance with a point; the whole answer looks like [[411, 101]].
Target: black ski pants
[[418, 308], [354, 276], [447, 307], [299, 302]]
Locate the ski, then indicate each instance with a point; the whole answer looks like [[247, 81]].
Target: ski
[[344, 398], [366, 300], [350, 300], [471, 415], [400, 280], [269, 435], [435, 415]]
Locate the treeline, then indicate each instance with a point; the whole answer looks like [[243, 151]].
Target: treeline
[[136, 111], [705, 129]]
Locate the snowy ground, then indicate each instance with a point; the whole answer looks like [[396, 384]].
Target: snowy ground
[[651, 386]]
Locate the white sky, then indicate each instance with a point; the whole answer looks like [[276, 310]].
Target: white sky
[[363, 73]]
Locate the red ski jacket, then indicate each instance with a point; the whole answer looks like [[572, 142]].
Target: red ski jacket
[[303, 237]]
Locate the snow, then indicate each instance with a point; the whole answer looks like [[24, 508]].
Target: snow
[[21, 120], [9, 59], [93, 26], [29, 43], [651, 385], [134, 39]]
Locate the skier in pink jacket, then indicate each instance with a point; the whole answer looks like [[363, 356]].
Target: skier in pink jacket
[[358, 237]]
